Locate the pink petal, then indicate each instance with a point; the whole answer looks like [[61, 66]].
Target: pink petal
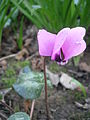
[[60, 39], [74, 44], [46, 42]]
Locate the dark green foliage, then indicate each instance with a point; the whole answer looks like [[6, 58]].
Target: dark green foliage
[[10, 75], [20, 39], [6, 14], [53, 15]]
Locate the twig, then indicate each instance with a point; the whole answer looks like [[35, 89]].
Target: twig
[[2, 102], [13, 55], [4, 116], [30, 57], [46, 90], [7, 57], [32, 109]]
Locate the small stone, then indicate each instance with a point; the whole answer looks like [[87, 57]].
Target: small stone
[[84, 67], [53, 77], [88, 100], [4, 62], [79, 105]]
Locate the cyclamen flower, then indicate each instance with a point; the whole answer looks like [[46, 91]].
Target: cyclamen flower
[[62, 46]]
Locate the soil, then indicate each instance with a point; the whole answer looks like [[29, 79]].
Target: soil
[[61, 102]]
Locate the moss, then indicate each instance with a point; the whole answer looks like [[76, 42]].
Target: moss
[[10, 75], [87, 115], [16, 109], [76, 95], [10, 72], [1, 97], [8, 82], [21, 64], [64, 70], [76, 60], [80, 116], [54, 67]]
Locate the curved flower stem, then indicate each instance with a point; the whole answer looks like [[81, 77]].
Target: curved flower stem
[[32, 109], [46, 90]]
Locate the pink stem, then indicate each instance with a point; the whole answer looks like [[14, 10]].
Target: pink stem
[[32, 109], [46, 90]]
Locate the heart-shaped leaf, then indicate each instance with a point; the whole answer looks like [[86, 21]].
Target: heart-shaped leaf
[[30, 84], [19, 116]]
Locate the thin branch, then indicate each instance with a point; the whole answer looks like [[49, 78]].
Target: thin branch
[[2, 102], [4, 116], [30, 57], [7, 57], [32, 109], [14, 55]]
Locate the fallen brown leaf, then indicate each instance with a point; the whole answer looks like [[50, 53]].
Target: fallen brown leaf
[[27, 42], [3, 64], [22, 54], [27, 104], [84, 67]]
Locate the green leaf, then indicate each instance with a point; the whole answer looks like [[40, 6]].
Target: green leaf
[[81, 86], [1, 96], [6, 12], [19, 116], [76, 60], [20, 39], [24, 10], [15, 13], [29, 84], [53, 15]]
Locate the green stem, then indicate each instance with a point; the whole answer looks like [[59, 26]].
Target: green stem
[[0, 38]]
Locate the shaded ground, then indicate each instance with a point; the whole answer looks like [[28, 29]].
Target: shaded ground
[[61, 101]]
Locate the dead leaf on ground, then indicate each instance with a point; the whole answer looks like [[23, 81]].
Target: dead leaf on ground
[[37, 63], [84, 67], [3, 64], [27, 42], [22, 54], [27, 104]]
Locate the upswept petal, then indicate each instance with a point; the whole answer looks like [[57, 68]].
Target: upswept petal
[[60, 39], [74, 44], [46, 42], [75, 50]]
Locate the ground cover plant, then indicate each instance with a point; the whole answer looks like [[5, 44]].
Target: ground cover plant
[[29, 85]]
